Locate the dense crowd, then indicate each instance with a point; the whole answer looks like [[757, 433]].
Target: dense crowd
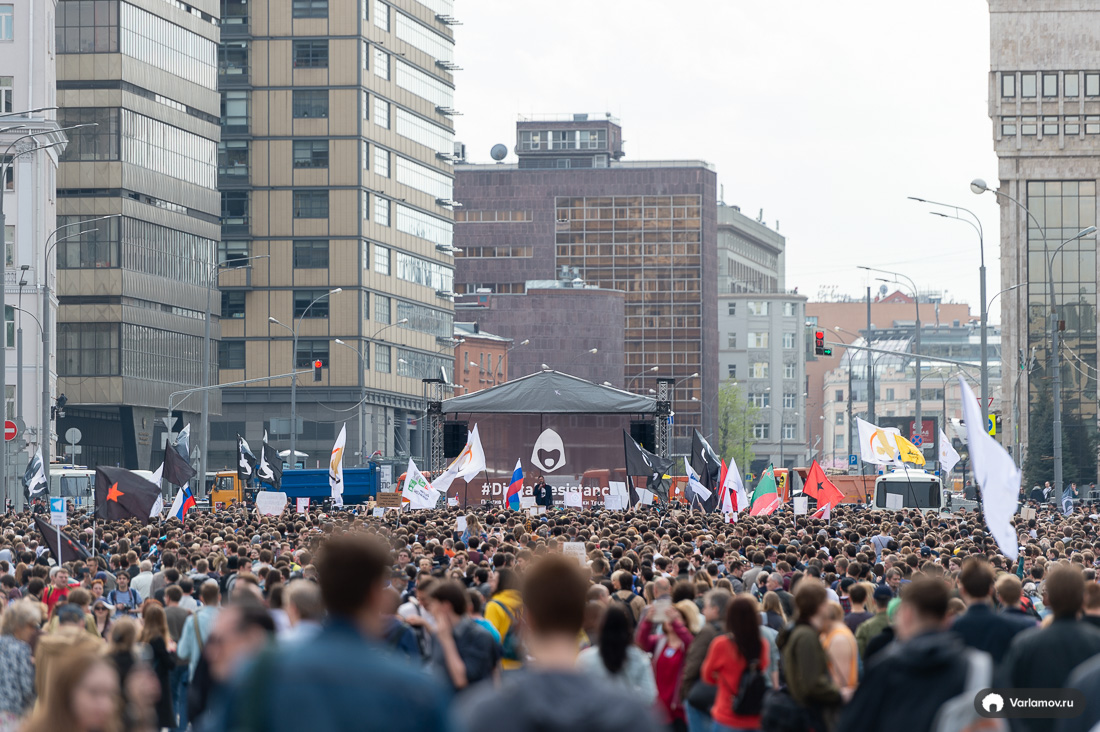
[[491, 619]]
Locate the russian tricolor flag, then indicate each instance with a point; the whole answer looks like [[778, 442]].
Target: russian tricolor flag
[[184, 502], [515, 487]]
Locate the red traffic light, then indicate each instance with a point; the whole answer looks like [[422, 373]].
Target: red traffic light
[[820, 335], [317, 370], [317, 364]]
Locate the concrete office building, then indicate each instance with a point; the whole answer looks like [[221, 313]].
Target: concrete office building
[[28, 81], [571, 209], [336, 173], [1044, 103], [761, 336], [132, 293]]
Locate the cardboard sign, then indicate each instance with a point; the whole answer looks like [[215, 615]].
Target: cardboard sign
[[575, 549], [646, 497], [303, 504], [387, 476], [453, 501], [270, 503], [801, 505], [460, 524], [526, 501], [616, 488], [614, 503], [1027, 513], [388, 500], [573, 499], [894, 501], [378, 512]]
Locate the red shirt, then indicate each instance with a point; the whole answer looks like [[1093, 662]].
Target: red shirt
[[723, 666], [53, 595]]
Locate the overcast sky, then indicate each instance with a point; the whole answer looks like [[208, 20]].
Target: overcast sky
[[824, 115]]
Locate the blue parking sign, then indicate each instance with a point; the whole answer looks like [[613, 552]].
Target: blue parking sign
[[853, 460]]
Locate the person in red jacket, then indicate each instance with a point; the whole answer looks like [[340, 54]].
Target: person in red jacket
[[669, 650], [727, 659], [58, 591]]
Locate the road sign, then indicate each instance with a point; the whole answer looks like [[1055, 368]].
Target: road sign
[[10, 430], [918, 440], [991, 425], [853, 460], [72, 435], [58, 513]]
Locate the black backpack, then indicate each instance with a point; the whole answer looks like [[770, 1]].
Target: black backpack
[[749, 701]]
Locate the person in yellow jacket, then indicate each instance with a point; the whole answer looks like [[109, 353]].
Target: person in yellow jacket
[[505, 612]]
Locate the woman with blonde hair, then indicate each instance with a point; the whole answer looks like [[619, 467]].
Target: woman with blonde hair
[[772, 613], [841, 649], [473, 526], [17, 631], [89, 688]]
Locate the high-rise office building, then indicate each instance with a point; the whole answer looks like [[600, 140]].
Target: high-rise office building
[[571, 210], [28, 82], [132, 292], [336, 173], [1044, 102]]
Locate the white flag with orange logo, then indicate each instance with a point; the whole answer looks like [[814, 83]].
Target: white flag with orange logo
[[876, 445], [336, 468], [467, 465]]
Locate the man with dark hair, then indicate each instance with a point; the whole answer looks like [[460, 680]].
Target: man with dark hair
[[464, 653], [868, 629], [907, 682], [549, 693], [1043, 658], [980, 627], [327, 682]]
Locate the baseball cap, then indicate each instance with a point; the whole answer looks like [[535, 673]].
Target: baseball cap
[[926, 551], [882, 592]]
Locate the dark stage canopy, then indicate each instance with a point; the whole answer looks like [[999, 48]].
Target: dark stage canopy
[[550, 392]]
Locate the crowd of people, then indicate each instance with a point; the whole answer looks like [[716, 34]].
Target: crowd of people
[[490, 619]]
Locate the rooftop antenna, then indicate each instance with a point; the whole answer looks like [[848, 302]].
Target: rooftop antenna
[[722, 194], [499, 152], [760, 218]]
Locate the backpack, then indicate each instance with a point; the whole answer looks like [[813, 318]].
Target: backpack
[[616, 597], [511, 642], [749, 700], [960, 713]]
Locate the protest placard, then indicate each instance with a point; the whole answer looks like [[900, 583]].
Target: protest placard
[[270, 503], [575, 549]]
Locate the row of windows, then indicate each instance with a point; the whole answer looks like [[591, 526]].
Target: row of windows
[[161, 355], [87, 349], [763, 431], [420, 130], [503, 288], [440, 7], [231, 355], [1051, 125], [763, 399], [423, 178], [761, 308], [488, 217], [759, 370], [760, 340], [381, 14], [309, 8], [433, 229], [563, 140], [428, 41], [167, 46], [87, 26], [1031, 83], [423, 319], [425, 272], [91, 143], [168, 150], [488, 252], [419, 365], [424, 85], [145, 247]]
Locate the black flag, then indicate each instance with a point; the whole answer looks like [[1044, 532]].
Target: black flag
[[270, 467], [246, 461], [34, 479], [641, 462], [708, 466], [70, 549], [120, 495], [177, 471]]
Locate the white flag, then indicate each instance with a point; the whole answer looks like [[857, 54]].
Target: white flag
[[995, 472], [156, 480], [949, 456], [417, 490], [183, 443], [467, 465], [875, 445], [736, 497], [698, 490], [336, 468]]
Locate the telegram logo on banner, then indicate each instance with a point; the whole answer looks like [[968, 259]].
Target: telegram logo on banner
[[549, 452]]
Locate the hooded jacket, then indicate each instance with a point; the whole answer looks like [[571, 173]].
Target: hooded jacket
[[500, 619], [906, 683]]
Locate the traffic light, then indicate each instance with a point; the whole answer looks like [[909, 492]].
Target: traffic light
[[317, 370], [819, 344]]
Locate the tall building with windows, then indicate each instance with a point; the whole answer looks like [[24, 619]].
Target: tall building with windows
[[27, 82], [336, 173], [132, 290], [761, 336], [1044, 102]]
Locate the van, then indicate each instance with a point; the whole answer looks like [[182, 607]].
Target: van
[[908, 488]]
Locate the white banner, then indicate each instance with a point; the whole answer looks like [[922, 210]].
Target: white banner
[[417, 489], [270, 503], [303, 504], [575, 549], [801, 505], [336, 468], [573, 499]]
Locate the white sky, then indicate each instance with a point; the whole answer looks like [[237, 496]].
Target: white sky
[[826, 115]]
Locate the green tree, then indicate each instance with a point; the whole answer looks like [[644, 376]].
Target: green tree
[[736, 416], [1078, 453], [1039, 466]]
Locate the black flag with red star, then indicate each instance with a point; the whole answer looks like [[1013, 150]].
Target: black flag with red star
[[69, 550], [121, 495]]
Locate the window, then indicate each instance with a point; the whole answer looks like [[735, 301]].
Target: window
[[311, 54], [1092, 124], [1092, 85], [1008, 85], [424, 178], [731, 370], [1028, 126], [9, 244], [6, 90], [382, 161], [838, 442], [1073, 126], [310, 103], [761, 400], [761, 431], [310, 351], [731, 340], [758, 308], [434, 44], [758, 340], [788, 309], [311, 153], [425, 272], [424, 85], [1050, 85], [381, 63], [1027, 86], [425, 320], [417, 129], [731, 307], [381, 15], [231, 354], [788, 371], [381, 211], [839, 396], [91, 143], [381, 259], [381, 113], [233, 304], [1008, 126], [788, 400], [302, 300], [311, 254], [382, 358], [233, 159], [889, 395], [234, 208], [382, 309], [760, 370], [1050, 126], [788, 340], [311, 204], [839, 419], [310, 8], [1071, 84], [788, 431], [7, 22]]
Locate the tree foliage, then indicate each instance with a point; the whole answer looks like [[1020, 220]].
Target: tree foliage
[[736, 416]]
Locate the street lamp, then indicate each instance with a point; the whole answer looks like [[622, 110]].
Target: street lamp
[[500, 358], [363, 361], [294, 367], [653, 370], [978, 186]]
